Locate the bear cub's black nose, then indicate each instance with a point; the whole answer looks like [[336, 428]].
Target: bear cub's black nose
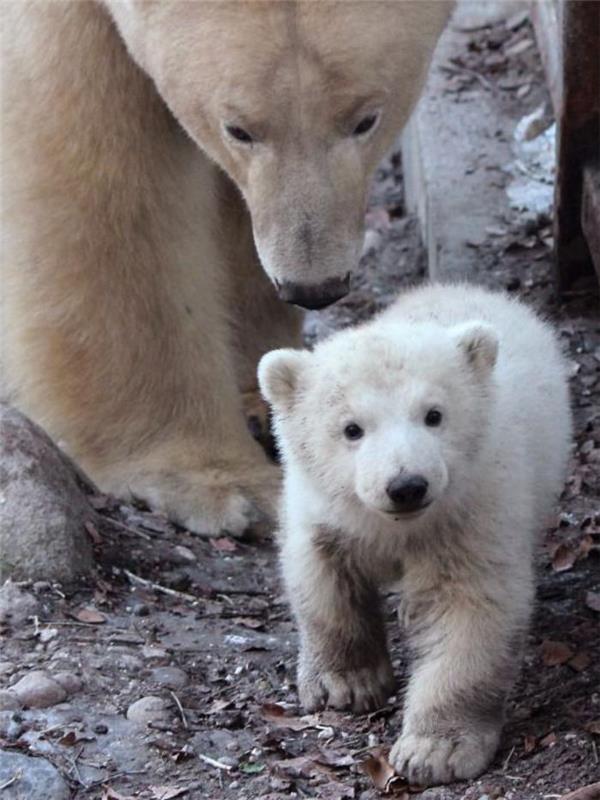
[[407, 493]]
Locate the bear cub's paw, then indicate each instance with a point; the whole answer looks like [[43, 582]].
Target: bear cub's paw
[[430, 759], [359, 690]]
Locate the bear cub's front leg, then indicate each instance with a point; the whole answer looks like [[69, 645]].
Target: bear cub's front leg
[[343, 660]]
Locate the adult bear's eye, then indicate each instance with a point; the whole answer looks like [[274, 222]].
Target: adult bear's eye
[[433, 418], [352, 431], [365, 125], [239, 134]]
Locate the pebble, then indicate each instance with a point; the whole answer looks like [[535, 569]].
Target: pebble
[[150, 651], [11, 725], [38, 690], [9, 701], [148, 709], [16, 605], [140, 609], [37, 779], [100, 728], [170, 677], [6, 668], [184, 554], [70, 682]]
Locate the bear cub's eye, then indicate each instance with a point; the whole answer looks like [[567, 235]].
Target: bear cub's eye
[[433, 418], [365, 125], [239, 134], [352, 431]]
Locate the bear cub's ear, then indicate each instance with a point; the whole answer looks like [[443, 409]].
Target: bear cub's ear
[[278, 373], [479, 343]]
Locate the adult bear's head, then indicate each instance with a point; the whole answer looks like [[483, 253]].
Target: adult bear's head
[[297, 102]]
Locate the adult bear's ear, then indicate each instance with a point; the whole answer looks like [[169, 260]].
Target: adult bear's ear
[[278, 374], [478, 341]]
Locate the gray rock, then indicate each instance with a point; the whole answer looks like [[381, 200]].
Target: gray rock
[[38, 690], [6, 668], [9, 701], [149, 709], [11, 725], [42, 507], [70, 682], [36, 778], [170, 677], [17, 605]]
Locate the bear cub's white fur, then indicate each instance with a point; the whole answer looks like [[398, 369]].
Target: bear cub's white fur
[[424, 450]]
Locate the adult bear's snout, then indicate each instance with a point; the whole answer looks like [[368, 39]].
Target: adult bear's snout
[[314, 296]]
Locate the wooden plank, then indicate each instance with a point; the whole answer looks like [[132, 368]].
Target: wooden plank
[[578, 134], [590, 213], [547, 22]]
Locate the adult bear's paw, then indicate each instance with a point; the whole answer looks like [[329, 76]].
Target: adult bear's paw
[[211, 501], [427, 760]]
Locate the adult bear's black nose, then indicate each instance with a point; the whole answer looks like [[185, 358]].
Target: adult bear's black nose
[[407, 493], [314, 296]]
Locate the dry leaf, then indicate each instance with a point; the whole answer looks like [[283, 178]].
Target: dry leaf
[[580, 661], [555, 653], [593, 727], [592, 600], [333, 790], [563, 558], [111, 794], [278, 716], [90, 615], [529, 743], [92, 532], [334, 758], [224, 544], [167, 792], [589, 792], [383, 776], [549, 740], [250, 622], [300, 767]]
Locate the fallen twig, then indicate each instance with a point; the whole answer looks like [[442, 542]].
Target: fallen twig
[[190, 598], [16, 777], [129, 529], [214, 763], [590, 792], [181, 712]]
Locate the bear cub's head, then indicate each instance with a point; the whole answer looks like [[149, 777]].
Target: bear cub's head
[[389, 415]]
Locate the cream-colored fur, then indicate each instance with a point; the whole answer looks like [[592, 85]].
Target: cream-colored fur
[[134, 305], [494, 462]]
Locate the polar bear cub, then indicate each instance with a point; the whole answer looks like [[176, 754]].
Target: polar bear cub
[[422, 450]]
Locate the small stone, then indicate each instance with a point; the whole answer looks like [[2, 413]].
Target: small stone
[[11, 725], [184, 554], [6, 668], [150, 651], [37, 779], [70, 682], [9, 701], [16, 605], [148, 709], [38, 690], [371, 242], [170, 677], [140, 609], [100, 728]]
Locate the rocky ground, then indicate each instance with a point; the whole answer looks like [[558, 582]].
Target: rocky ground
[[170, 673]]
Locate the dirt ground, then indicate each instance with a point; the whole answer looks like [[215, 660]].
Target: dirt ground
[[164, 599]]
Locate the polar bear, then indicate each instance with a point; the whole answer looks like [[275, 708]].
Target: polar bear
[[174, 172], [423, 449]]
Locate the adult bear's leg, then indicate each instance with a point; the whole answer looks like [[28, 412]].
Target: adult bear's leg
[[259, 320], [115, 333]]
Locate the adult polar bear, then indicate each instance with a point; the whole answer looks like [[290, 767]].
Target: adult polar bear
[[134, 306]]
